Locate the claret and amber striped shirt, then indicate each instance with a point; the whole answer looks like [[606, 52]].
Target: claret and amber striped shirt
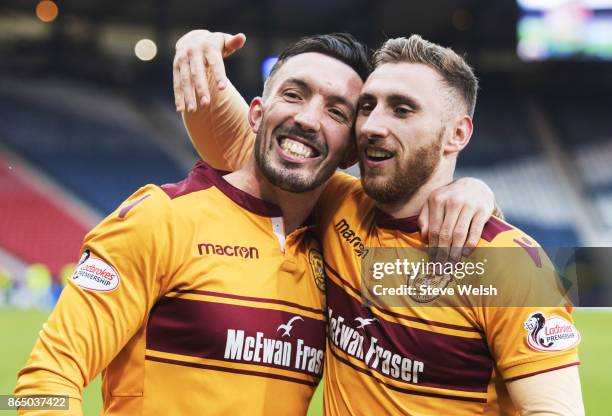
[[190, 299], [426, 360]]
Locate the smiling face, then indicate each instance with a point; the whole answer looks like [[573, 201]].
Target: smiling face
[[304, 122], [401, 126]]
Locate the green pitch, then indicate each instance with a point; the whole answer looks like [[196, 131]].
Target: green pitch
[[20, 329]]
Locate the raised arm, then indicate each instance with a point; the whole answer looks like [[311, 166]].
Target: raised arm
[[214, 112]]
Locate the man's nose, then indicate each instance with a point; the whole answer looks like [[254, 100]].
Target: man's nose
[[374, 125], [309, 117]]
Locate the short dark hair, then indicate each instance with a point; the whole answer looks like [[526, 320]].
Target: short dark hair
[[341, 46]]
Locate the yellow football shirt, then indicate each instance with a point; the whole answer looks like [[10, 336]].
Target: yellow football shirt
[[190, 299], [425, 360]]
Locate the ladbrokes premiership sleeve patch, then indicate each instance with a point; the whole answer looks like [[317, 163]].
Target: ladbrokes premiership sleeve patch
[[95, 274], [552, 333]]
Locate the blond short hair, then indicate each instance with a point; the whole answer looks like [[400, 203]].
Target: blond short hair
[[453, 69]]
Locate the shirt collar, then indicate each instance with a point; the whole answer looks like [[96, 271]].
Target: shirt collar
[[245, 200], [408, 224]]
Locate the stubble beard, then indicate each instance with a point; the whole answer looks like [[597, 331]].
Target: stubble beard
[[287, 176], [409, 176]]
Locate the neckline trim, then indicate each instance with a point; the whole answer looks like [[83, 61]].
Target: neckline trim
[[407, 224], [240, 197]]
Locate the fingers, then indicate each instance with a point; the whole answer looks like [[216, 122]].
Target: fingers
[[198, 76], [445, 238], [194, 52], [232, 43], [478, 223], [179, 99], [423, 221], [457, 216], [460, 232], [214, 61], [186, 86], [436, 217]]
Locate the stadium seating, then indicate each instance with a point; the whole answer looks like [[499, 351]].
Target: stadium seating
[[501, 132], [35, 227], [583, 125], [505, 153], [101, 163]]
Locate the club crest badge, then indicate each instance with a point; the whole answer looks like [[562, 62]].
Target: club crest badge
[[433, 281], [315, 258]]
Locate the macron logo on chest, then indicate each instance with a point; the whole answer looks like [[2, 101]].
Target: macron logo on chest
[[208, 249], [349, 236], [229, 250]]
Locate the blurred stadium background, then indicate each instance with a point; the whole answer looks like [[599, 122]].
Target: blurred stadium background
[[87, 117]]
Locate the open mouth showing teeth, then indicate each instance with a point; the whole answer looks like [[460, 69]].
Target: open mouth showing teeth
[[297, 149], [377, 155]]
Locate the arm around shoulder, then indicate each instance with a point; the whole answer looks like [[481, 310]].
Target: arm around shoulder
[[220, 131]]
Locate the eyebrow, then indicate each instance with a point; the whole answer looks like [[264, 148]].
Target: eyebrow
[[393, 99], [300, 83], [332, 98], [403, 99], [365, 96]]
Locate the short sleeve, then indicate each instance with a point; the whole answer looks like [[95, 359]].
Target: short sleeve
[[529, 328], [106, 300]]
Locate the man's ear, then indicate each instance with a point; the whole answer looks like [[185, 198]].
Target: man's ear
[[255, 113], [461, 134], [351, 157]]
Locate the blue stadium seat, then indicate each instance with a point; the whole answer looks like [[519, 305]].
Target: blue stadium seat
[[501, 132], [101, 163]]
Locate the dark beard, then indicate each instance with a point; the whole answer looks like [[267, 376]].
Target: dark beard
[[287, 177], [408, 178]]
